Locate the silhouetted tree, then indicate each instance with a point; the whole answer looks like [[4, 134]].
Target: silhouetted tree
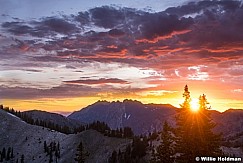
[[12, 155], [8, 154], [1, 158], [113, 158], [22, 159], [165, 151], [81, 154], [139, 146], [194, 136], [45, 147], [3, 154]]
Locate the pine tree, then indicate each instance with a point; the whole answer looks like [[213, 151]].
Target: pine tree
[[182, 132], [153, 157], [45, 147], [113, 158], [22, 159], [165, 151], [12, 155], [8, 154], [194, 136], [1, 158], [3, 154], [81, 154], [209, 141], [51, 157]]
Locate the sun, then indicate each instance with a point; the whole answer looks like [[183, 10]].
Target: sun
[[194, 105]]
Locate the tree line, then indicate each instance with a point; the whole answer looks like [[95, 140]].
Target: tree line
[[101, 127], [52, 150], [7, 155]]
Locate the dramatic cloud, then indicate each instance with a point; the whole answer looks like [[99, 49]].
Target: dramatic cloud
[[197, 41], [61, 91], [46, 27], [98, 81]]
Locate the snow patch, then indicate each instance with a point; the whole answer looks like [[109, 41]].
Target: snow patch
[[13, 115], [128, 116], [16, 117]]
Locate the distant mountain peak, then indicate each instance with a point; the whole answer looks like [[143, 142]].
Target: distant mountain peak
[[142, 118]]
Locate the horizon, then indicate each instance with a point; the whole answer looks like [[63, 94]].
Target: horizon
[[61, 56], [66, 114]]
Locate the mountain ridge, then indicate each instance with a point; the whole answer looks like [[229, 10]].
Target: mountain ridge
[[29, 140], [149, 117]]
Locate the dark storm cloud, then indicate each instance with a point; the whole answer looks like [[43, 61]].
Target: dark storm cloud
[[57, 25], [59, 91], [83, 18], [62, 91], [116, 33], [206, 31], [220, 22], [97, 81], [140, 23], [107, 17], [17, 28], [196, 7], [45, 27], [161, 24]]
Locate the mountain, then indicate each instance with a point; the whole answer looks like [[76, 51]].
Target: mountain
[[29, 140], [230, 121], [53, 118], [142, 118]]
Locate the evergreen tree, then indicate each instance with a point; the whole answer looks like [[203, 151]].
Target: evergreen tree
[[8, 154], [45, 147], [12, 155], [81, 154], [153, 157], [1, 158], [22, 159], [208, 140], [194, 136], [127, 154], [3, 154], [165, 151], [51, 157], [113, 158], [139, 146]]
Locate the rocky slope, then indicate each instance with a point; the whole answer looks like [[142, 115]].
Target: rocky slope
[[142, 118], [29, 140], [53, 118]]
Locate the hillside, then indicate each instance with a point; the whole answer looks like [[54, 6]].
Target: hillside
[[29, 140], [53, 118]]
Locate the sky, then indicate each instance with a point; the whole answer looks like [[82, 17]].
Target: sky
[[61, 56]]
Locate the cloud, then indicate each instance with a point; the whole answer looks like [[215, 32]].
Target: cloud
[[107, 17], [116, 33], [48, 26], [97, 81], [61, 91], [195, 34]]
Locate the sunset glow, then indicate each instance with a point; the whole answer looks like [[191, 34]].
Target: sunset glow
[[68, 56], [194, 105]]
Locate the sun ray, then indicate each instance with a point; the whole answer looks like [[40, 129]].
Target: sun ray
[[194, 105]]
